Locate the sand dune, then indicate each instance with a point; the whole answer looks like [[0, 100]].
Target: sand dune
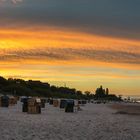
[[94, 122]]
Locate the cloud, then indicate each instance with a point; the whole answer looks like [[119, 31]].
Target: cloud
[[108, 17], [13, 1], [56, 44], [71, 54]]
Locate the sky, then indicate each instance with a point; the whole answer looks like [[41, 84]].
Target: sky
[[80, 43]]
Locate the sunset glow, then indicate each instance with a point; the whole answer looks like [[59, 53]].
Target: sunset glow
[[59, 55]]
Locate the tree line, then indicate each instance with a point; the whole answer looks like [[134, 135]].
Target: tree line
[[20, 87]]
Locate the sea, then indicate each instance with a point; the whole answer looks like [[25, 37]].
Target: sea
[[133, 97]]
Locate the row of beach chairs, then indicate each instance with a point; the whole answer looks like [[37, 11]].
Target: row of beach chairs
[[69, 105], [33, 105]]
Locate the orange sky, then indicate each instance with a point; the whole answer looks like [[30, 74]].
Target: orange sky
[[60, 55]]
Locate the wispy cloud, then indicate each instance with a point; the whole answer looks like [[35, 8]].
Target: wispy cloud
[[13, 1], [55, 44], [71, 54]]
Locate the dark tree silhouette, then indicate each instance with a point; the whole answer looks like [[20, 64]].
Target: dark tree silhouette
[[100, 93], [21, 87]]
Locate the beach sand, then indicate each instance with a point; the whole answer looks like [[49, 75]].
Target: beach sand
[[94, 122], [129, 108]]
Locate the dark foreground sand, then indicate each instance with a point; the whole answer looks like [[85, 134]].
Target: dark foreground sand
[[94, 122], [130, 109]]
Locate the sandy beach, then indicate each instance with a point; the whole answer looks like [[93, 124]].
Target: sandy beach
[[129, 108], [94, 122]]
